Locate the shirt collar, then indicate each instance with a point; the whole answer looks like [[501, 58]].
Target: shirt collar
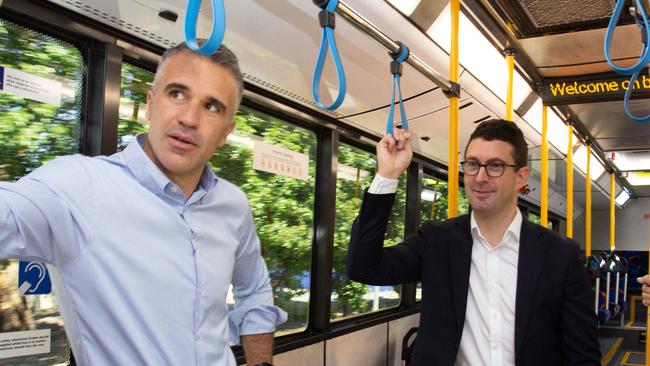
[[150, 176], [513, 229]]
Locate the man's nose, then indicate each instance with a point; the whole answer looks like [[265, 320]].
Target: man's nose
[[190, 115], [482, 175]]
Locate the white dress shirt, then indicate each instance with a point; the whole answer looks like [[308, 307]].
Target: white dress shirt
[[489, 329]]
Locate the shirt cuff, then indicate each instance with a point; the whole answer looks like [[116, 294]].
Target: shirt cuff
[[255, 320], [381, 185]]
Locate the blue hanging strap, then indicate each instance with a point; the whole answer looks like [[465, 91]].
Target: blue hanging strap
[[396, 69], [645, 35], [218, 27], [634, 70], [626, 101], [327, 21]]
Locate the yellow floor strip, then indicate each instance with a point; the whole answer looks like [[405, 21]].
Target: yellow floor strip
[[612, 351], [624, 360], [633, 300]]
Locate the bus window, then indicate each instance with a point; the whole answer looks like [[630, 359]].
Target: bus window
[[35, 129], [356, 169], [133, 101], [463, 202], [283, 206], [533, 217], [433, 205]]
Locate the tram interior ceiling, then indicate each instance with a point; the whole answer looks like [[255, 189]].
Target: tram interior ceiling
[[560, 45]]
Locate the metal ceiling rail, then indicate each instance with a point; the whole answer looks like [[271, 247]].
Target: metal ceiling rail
[[371, 30]]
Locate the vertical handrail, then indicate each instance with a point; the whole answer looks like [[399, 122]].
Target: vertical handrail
[[544, 178], [612, 211], [510, 59], [569, 184], [454, 110], [588, 203]]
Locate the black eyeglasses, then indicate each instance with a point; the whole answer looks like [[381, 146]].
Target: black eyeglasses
[[494, 169]]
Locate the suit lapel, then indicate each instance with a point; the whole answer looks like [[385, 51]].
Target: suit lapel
[[460, 260], [531, 258]]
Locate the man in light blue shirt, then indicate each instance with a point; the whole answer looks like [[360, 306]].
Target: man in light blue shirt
[[146, 242]]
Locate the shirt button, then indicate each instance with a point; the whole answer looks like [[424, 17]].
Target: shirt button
[[174, 189]]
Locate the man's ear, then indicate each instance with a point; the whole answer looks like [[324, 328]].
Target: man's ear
[[522, 176], [227, 133], [147, 114]]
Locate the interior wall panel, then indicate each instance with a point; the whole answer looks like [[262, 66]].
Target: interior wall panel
[[366, 347]]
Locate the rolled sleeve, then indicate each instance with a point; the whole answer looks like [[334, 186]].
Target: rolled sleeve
[[254, 312], [256, 319]]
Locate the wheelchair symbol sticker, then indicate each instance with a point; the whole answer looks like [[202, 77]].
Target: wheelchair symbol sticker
[[33, 279]]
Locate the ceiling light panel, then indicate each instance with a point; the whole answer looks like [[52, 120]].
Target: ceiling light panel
[[632, 160], [479, 56], [580, 161]]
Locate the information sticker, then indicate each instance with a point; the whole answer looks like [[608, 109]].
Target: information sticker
[[31, 342], [30, 86], [281, 161]]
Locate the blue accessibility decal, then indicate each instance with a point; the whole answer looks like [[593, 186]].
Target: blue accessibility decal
[[33, 279]]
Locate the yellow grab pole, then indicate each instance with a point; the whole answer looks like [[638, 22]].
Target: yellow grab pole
[[544, 178], [452, 194], [647, 330], [510, 59], [588, 204], [569, 184], [612, 211]]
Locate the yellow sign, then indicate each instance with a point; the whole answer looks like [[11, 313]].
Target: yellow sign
[[565, 91]]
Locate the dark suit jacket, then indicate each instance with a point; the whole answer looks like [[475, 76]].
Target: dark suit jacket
[[554, 317]]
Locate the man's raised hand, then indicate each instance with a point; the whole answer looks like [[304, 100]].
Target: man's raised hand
[[394, 154]]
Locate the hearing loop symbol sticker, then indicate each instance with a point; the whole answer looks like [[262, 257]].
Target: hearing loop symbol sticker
[[33, 279]]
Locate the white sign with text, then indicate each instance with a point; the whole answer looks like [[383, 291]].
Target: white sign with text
[[31, 342], [281, 161], [30, 86]]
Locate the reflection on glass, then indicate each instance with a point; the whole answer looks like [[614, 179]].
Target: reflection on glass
[[133, 102], [283, 207], [355, 173], [33, 133]]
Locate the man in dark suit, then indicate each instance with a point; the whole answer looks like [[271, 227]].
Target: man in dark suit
[[496, 288]]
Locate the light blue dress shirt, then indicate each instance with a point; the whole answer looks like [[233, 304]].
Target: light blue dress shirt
[[142, 273]]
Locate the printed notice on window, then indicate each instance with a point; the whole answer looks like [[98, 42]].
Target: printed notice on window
[[30, 86], [31, 342], [281, 161]]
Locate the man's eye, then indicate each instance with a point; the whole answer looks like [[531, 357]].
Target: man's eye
[[471, 164], [495, 165], [212, 108], [177, 94]]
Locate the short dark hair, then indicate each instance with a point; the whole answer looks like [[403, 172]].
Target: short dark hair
[[506, 131], [223, 57]]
